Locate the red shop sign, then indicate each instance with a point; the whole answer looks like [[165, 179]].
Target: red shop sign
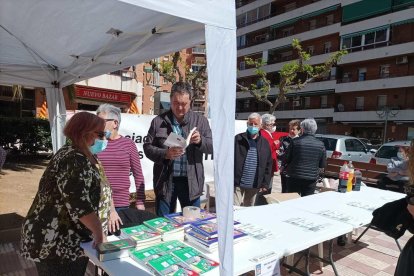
[[102, 94]]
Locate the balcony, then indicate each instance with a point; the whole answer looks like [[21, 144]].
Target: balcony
[[406, 115], [383, 52], [198, 50], [375, 84], [295, 114]]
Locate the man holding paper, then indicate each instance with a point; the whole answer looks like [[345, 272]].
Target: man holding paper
[[176, 142]]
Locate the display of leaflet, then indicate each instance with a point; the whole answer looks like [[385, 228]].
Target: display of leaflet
[[175, 140]]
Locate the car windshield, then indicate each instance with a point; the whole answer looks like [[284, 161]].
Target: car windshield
[[330, 143], [387, 152]]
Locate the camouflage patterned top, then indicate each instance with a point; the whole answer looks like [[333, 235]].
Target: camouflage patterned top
[[69, 189]]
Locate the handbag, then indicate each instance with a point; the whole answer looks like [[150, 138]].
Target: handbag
[[393, 218]]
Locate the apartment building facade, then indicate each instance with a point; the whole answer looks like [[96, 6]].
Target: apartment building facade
[[371, 87]]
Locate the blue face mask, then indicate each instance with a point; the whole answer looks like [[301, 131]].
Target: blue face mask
[[99, 146], [108, 134], [252, 130]]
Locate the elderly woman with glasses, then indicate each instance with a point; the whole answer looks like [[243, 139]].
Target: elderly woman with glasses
[[119, 159], [71, 204]]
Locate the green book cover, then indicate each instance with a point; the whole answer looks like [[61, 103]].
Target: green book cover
[[140, 233], [195, 259], [162, 225], [171, 266], [147, 254]]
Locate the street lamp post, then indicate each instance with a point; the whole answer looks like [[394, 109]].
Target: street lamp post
[[385, 112]]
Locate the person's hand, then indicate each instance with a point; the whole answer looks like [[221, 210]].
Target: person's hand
[[98, 238], [140, 207], [262, 190], [174, 152], [410, 209], [115, 222], [195, 138]]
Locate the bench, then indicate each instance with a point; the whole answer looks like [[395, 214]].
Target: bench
[[371, 173]]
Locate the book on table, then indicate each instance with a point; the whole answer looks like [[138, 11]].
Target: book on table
[[170, 258], [142, 235], [175, 140], [168, 229], [207, 228], [208, 244], [185, 221]]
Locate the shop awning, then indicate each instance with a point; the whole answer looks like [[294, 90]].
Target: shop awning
[[397, 4], [407, 21], [366, 31], [364, 9], [312, 14]]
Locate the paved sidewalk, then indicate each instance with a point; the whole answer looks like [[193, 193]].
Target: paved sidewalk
[[376, 254]]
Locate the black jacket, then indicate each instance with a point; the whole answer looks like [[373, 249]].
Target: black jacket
[[265, 162], [305, 156], [155, 150]]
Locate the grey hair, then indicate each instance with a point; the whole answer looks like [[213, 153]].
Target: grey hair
[[182, 88], [309, 126], [267, 118], [254, 116], [112, 112]]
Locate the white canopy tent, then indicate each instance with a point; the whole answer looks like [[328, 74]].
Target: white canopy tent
[[55, 43]]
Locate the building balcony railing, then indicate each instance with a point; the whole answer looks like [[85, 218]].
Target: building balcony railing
[[370, 78], [198, 50]]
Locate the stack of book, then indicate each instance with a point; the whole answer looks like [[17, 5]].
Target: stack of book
[[203, 235], [142, 235], [185, 221], [168, 229], [173, 258]]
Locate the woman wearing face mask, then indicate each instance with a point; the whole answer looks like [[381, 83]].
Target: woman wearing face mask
[[119, 159], [71, 204], [397, 171]]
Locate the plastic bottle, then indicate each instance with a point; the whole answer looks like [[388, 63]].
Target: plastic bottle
[[350, 177], [358, 180], [343, 177]]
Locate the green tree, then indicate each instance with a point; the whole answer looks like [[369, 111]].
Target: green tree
[[171, 71], [294, 76]]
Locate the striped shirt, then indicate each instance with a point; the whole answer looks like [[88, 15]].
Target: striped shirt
[[179, 164], [249, 176], [118, 159]]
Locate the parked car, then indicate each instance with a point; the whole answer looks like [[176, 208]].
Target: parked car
[[345, 147], [387, 151], [373, 149]]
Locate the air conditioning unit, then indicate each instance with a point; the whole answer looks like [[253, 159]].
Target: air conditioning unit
[[296, 103], [401, 60]]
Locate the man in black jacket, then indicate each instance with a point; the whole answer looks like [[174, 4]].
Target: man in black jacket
[[252, 163], [306, 157]]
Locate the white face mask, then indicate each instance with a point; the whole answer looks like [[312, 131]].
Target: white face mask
[[274, 129], [400, 155]]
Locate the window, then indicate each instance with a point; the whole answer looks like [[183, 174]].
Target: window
[[362, 74], [359, 103], [329, 19], [324, 101], [312, 24], [367, 41], [307, 102], [381, 101], [287, 32], [241, 20], [264, 11], [290, 7], [354, 145], [346, 43], [310, 49], [251, 16], [356, 41], [347, 77], [246, 104], [385, 71], [242, 65], [241, 41], [287, 56], [196, 68], [327, 47]]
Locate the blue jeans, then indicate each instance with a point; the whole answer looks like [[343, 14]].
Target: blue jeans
[[117, 209], [180, 192]]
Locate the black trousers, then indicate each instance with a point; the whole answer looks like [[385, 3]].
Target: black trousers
[[303, 187], [283, 179], [52, 268], [384, 181], [405, 265]]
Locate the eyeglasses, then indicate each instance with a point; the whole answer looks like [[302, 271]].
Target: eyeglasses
[[101, 134], [274, 124], [109, 120]]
